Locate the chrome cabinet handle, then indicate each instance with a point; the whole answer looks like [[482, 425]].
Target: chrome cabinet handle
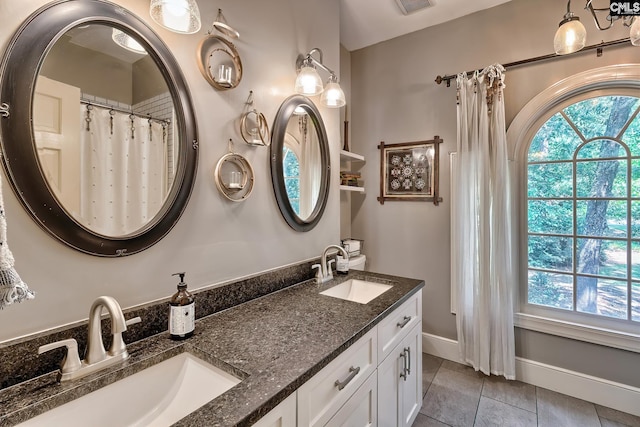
[[408, 351], [352, 373], [405, 320]]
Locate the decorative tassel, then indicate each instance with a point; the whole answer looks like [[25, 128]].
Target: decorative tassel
[[12, 288]]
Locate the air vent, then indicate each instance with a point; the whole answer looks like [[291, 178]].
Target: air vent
[[410, 6]]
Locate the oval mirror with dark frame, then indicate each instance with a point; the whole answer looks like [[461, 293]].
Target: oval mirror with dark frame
[[98, 131], [300, 162]]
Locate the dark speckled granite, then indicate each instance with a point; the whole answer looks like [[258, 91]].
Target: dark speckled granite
[[274, 344]]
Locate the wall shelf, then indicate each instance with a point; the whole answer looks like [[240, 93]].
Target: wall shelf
[[348, 156], [352, 188]]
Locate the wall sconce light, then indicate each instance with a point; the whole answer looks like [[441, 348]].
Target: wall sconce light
[[309, 82], [572, 36], [180, 16]]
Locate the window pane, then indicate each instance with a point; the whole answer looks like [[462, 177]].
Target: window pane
[[551, 253], [601, 149], [602, 218], [635, 220], [602, 179], [555, 140], [602, 257], [601, 116], [551, 216], [635, 302], [550, 180], [635, 178], [632, 136], [635, 261], [601, 296], [550, 289]]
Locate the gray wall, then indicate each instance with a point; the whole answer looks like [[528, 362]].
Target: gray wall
[[395, 100], [215, 240]]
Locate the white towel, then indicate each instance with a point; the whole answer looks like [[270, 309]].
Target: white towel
[[12, 288]]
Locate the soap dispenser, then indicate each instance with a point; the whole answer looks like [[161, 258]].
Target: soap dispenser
[[182, 314]]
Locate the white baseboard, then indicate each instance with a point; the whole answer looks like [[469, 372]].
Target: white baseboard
[[614, 395]]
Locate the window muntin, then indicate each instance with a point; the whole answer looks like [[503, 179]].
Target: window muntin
[[583, 210]]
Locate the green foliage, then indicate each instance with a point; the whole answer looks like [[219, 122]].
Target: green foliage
[[551, 210]]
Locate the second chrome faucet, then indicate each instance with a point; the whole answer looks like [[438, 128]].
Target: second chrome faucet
[[96, 357], [324, 273]]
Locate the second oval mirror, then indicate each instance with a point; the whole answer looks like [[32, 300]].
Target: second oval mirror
[[300, 163]]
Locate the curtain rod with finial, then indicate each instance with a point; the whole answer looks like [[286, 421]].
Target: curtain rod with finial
[[599, 47]]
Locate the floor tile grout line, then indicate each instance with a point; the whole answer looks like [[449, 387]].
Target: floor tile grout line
[[509, 404]]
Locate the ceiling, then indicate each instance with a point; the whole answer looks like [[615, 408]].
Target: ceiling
[[367, 22]]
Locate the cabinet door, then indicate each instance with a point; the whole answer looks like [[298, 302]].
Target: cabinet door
[[400, 382], [410, 399], [389, 388], [283, 415], [361, 408]]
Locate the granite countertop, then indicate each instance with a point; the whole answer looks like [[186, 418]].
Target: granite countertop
[[274, 344]]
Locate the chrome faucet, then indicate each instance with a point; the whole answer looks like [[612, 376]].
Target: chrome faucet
[[324, 273], [96, 358]]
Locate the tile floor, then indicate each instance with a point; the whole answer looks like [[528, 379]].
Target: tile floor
[[456, 395]]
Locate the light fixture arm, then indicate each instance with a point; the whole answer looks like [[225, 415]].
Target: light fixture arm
[[308, 59], [594, 10]]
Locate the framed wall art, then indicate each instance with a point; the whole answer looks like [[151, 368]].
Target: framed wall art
[[409, 171]]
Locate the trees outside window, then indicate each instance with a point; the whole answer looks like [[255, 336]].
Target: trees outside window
[[583, 209], [291, 166]]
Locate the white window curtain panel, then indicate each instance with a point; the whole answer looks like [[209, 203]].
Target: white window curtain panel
[[483, 269]]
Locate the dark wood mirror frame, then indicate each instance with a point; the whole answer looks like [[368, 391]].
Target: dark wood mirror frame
[[18, 73], [284, 114]]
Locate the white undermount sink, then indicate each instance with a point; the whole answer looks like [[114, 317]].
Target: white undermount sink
[[355, 290], [157, 396]]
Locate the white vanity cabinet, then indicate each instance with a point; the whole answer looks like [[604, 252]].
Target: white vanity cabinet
[[283, 415], [400, 368], [375, 382]]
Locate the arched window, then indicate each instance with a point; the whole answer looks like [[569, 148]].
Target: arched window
[[583, 209], [576, 147]]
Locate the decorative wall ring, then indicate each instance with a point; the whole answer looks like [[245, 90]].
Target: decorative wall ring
[[254, 128], [234, 177], [219, 62]]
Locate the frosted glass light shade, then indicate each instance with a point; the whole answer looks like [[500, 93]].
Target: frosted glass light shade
[[570, 37], [333, 96], [308, 82], [180, 16], [125, 41], [634, 33]]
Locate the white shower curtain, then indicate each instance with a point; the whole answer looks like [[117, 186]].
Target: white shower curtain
[[124, 171], [482, 269]]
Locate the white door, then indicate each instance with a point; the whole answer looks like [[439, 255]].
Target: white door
[[56, 124]]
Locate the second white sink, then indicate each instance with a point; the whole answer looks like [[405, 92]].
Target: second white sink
[[157, 396], [355, 290]]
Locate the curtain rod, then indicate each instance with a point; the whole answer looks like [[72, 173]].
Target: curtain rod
[[124, 110], [598, 46]]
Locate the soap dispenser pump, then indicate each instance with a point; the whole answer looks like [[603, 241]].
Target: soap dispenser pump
[[182, 312]]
